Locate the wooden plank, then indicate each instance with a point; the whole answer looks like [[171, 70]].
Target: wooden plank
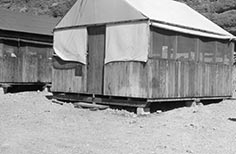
[[213, 80], [231, 79], [182, 81], [96, 54], [191, 80], [153, 78], [9, 61], [156, 88], [171, 79], [177, 78], [221, 81], [90, 105], [186, 78], [18, 71], [29, 64], [167, 81], [217, 80], [45, 63], [162, 72], [1, 59]]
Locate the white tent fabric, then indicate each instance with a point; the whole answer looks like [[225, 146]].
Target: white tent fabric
[[178, 14], [127, 42], [71, 44], [188, 31], [89, 12]]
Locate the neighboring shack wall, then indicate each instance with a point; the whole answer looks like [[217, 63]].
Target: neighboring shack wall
[[24, 62], [36, 60]]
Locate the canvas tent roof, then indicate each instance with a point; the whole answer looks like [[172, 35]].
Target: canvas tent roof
[[167, 14], [15, 21]]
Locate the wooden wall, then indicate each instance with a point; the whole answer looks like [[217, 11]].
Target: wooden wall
[[126, 79], [68, 76], [36, 59], [171, 79], [160, 78], [8, 62], [25, 62]]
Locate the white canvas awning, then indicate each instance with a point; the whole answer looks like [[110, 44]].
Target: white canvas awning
[[90, 12], [173, 15], [127, 42], [71, 44], [192, 31]]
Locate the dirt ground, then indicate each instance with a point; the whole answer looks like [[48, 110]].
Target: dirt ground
[[31, 124]]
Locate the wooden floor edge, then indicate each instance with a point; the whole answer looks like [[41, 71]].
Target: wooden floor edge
[[188, 99]]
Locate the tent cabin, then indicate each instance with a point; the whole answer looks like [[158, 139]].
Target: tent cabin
[[135, 52], [25, 49]]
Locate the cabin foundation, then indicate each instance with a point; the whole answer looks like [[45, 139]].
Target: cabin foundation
[[19, 87], [143, 111], [101, 99]]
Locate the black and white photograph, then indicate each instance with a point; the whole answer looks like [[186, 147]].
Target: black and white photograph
[[117, 77]]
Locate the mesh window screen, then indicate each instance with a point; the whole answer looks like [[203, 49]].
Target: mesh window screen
[[228, 53], [172, 45], [221, 46], [207, 49], [186, 48], [163, 43]]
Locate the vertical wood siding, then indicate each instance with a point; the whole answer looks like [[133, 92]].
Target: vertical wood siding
[[66, 79], [158, 78], [188, 79], [161, 78], [25, 62], [9, 61], [126, 79]]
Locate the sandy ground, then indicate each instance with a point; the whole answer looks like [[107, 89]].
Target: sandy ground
[[32, 124]]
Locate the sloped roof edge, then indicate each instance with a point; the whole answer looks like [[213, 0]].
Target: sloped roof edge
[[22, 22], [88, 12], [173, 15], [191, 31]]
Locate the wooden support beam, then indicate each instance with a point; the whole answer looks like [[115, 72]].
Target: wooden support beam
[[90, 105], [143, 111], [193, 103]]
